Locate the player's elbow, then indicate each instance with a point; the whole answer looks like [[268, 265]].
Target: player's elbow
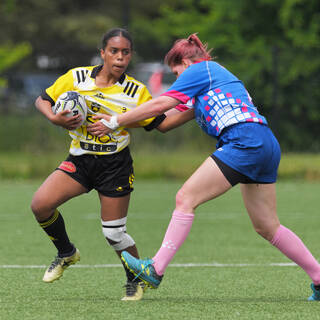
[[37, 101], [163, 128]]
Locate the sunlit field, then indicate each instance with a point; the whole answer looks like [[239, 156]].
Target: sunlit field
[[223, 271]]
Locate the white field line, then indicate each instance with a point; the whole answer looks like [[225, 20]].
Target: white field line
[[173, 265]]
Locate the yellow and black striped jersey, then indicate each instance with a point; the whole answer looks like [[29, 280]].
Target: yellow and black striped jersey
[[124, 95]]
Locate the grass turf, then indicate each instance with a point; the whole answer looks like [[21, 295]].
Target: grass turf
[[222, 233]]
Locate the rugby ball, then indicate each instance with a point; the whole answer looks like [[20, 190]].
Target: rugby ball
[[72, 101]]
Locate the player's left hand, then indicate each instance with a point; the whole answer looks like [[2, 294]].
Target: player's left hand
[[98, 129]]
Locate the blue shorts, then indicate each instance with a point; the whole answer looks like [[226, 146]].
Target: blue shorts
[[252, 150]]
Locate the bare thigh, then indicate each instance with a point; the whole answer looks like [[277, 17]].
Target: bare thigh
[[55, 190], [260, 201], [114, 208], [206, 183]]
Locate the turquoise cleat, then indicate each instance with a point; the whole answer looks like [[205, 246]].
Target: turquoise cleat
[[316, 294], [142, 269]]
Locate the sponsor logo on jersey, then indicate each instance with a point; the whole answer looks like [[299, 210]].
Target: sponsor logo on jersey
[[68, 166], [99, 95], [98, 147]]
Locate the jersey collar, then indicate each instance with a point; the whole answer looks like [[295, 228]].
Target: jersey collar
[[98, 68], [198, 61]]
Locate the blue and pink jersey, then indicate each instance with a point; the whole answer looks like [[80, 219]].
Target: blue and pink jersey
[[219, 98]]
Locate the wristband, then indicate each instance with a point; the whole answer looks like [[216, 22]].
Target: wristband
[[112, 123]]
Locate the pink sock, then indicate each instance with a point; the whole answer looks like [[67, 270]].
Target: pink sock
[[177, 232], [291, 245]]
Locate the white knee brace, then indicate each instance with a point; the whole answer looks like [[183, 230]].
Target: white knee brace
[[115, 233]]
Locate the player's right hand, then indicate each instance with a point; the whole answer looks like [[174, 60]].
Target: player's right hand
[[64, 120]]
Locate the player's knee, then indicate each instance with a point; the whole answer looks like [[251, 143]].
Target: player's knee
[[35, 205], [184, 200], [264, 232], [115, 232], [39, 206]]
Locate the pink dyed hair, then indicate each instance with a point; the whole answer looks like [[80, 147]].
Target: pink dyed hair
[[191, 48]]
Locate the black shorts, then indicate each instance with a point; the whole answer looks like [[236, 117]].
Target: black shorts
[[111, 175], [234, 177]]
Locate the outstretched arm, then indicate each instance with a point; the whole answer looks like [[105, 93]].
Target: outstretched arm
[[175, 119], [149, 109]]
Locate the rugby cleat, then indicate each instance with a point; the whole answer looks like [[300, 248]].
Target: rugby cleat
[[58, 265], [134, 291], [316, 294], [142, 269]]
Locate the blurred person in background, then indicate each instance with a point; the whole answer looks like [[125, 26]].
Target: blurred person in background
[[247, 153], [102, 163]]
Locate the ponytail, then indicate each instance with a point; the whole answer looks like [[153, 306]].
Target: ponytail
[[193, 39], [191, 48]]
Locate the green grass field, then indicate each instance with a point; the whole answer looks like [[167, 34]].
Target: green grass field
[[242, 285]]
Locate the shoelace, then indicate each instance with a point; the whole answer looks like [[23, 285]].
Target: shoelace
[[54, 263], [131, 288], [143, 270]]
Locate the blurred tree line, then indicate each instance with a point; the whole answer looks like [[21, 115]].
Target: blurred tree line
[[272, 46]]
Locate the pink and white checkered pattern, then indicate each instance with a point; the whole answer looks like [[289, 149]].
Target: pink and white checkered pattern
[[224, 110]]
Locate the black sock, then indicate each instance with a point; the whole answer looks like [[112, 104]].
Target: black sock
[[130, 276], [55, 229]]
